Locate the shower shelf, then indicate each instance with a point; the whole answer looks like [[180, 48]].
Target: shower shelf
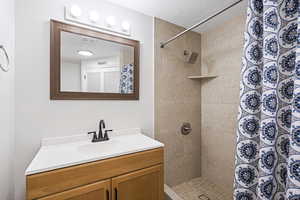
[[202, 77]]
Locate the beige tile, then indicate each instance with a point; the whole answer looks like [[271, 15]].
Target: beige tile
[[175, 171], [192, 170], [218, 118], [164, 31], [221, 55], [211, 106], [200, 187], [177, 100], [222, 89], [173, 147], [191, 144]]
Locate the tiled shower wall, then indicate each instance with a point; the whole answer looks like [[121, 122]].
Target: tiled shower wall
[[177, 100], [221, 55]]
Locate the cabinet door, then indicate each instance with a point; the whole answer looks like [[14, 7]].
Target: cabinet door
[[146, 184], [96, 191]]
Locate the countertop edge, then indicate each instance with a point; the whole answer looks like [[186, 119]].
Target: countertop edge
[[28, 173]]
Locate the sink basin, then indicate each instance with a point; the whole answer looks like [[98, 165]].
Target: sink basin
[[98, 147]]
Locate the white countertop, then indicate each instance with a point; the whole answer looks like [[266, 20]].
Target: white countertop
[[69, 151]]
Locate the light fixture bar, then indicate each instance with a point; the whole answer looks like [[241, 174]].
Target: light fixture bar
[[70, 18]]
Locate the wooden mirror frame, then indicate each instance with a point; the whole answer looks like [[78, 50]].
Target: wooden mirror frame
[[55, 63]]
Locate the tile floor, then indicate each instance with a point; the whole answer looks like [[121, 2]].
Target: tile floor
[[200, 189]]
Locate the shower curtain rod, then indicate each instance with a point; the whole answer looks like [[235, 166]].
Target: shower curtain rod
[[163, 44]]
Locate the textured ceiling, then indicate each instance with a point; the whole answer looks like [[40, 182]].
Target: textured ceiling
[[185, 12]]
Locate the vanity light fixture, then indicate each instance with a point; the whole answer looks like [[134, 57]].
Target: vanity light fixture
[[93, 16], [110, 21], [126, 26], [75, 11], [85, 53]]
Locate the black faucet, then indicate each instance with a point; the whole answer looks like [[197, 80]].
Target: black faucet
[[100, 137], [101, 126]]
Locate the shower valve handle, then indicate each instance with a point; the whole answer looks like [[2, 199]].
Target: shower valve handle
[[186, 128]]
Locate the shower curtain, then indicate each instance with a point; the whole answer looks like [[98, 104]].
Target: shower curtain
[[268, 141], [126, 80]]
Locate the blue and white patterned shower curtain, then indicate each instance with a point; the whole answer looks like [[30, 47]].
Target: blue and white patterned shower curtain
[[268, 143], [126, 82]]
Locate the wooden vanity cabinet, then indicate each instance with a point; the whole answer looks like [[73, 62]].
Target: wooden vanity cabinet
[[137, 176]]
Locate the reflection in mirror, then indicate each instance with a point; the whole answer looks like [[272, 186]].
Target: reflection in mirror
[[95, 66]]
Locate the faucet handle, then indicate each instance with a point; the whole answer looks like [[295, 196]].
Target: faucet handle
[[106, 134], [95, 138]]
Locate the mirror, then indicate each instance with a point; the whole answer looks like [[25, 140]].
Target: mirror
[[95, 65], [87, 64]]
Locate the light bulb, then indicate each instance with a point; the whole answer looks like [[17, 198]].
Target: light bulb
[[75, 11], [125, 26], [93, 16], [111, 21], [85, 53]]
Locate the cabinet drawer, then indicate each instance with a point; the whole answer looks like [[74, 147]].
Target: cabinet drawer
[[47, 183]]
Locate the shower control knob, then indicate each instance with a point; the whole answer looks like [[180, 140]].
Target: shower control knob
[[186, 128]]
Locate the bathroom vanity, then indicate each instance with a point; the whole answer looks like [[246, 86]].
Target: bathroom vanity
[[127, 167]]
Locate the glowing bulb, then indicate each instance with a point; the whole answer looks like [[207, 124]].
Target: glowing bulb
[[85, 53], [111, 21], [126, 26], [75, 11], [93, 16]]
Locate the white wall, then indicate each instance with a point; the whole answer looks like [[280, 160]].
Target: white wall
[[70, 76], [36, 115], [7, 102]]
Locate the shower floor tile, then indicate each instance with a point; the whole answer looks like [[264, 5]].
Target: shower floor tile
[[200, 189]]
